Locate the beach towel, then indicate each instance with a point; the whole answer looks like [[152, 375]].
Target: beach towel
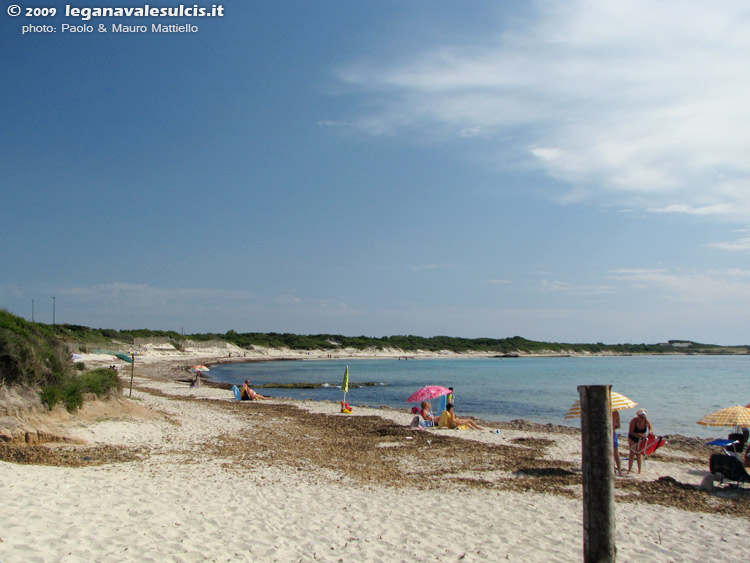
[[236, 392], [444, 421]]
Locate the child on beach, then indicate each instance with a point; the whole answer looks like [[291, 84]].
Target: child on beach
[[615, 427]]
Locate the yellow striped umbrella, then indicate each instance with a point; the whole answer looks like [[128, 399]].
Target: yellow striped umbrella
[[730, 416], [619, 402]]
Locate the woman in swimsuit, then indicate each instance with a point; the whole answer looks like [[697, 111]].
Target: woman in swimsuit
[[639, 428], [247, 394], [426, 413]]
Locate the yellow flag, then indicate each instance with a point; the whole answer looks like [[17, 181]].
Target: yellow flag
[[345, 383]]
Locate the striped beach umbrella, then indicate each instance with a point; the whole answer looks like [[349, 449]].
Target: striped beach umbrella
[[730, 416], [619, 402]]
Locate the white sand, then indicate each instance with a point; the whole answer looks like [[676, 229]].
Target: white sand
[[171, 506]]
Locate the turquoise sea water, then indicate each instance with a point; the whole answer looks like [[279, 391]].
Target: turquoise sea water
[[676, 390]]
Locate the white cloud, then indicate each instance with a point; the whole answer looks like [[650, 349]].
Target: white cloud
[[739, 245], [697, 290], [288, 299], [641, 104], [468, 132], [557, 286], [331, 123], [721, 209]]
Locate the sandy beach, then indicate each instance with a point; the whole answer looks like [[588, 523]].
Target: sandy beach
[[188, 474]]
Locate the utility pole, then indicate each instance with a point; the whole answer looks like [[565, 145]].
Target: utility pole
[[53, 311], [32, 310]]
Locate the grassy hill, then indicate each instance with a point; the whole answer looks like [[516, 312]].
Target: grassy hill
[[31, 354], [35, 355]]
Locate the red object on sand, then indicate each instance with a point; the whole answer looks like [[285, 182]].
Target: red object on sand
[[653, 443]]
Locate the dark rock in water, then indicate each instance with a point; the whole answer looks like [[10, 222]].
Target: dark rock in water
[[507, 356], [302, 385], [291, 385]]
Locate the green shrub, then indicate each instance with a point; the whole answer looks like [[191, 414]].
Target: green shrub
[[72, 394], [51, 395], [70, 391], [30, 353], [100, 381]]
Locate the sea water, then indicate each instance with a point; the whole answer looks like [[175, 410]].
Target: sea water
[[676, 390]]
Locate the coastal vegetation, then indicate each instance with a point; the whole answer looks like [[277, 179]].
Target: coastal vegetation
[[97, 337], [36, 356]]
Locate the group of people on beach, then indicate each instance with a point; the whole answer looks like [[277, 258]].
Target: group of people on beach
[[447, 418]]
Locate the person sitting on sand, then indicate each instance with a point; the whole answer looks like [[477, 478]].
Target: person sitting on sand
[[639, 428], [426, 413], [247, 394], [448, 419]]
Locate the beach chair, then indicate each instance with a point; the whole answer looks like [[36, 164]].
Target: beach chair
[[728, 467], [739, 441], [648, 445], [418, 421]]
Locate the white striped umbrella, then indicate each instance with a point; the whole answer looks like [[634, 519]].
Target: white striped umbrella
[[619, 402]]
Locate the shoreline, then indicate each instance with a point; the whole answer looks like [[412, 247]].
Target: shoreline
[[219, 356], [190, 474]]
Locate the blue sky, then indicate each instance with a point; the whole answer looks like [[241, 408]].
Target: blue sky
[[561, 171]]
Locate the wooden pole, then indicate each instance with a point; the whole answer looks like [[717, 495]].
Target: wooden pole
[[132, 372], [598, 474]]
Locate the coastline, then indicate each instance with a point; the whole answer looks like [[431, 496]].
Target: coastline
[[189, 474], [670, 421]]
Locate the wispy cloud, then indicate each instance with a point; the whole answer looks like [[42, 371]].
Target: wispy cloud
[[738, 245], [144, 294], [557, 286], [698, 289], [422, 267], [640, 104], [331, 123]]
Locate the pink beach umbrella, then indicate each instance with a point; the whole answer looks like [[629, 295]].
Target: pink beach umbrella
[[427, 393]]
